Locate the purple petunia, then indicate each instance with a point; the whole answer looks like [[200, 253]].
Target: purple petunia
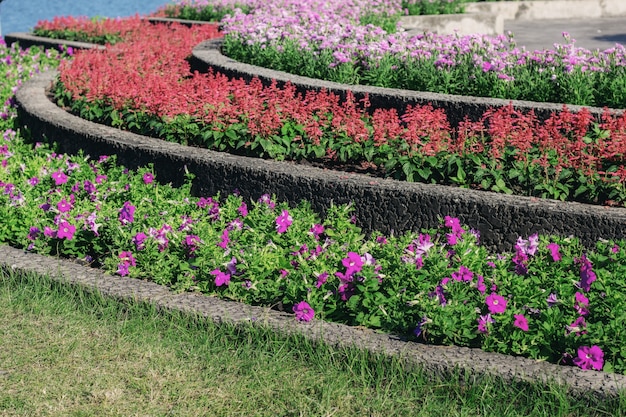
[[587, 276], [321, 279], [139, 240], [127, 213]]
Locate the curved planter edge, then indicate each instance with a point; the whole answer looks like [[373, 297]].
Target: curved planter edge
[[380, 204], [433, 360], [207, 55]]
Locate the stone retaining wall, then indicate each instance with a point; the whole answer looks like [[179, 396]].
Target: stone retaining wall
[[208, 55], [380, 204]]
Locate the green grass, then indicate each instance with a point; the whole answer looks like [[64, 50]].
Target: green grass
[[68, 352]]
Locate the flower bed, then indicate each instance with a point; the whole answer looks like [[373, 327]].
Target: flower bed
[[91, 30], [549, 299], [569, 156], [332, 45]]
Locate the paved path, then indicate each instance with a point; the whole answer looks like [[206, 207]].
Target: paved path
[[594, 33]]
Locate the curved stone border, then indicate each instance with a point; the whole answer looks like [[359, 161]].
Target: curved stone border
[[208, 55], [26, 40], [435, 360], [380, 204]]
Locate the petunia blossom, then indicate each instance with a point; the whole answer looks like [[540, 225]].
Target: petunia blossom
[[303, 311], [221, 278], [521, 322], [59, 177], [590, 358], [127, 213], [554, 251], [148, 178], [283, 222], [66, 230], [495, 303], [587, 276]]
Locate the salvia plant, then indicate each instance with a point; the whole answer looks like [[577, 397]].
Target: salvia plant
[[569, 156]]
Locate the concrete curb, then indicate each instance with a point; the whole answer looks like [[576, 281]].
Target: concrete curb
[[208, 55], [435, 360], [26, 40], [380, 204]]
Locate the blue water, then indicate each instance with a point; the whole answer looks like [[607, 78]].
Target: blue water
[[23, 15]]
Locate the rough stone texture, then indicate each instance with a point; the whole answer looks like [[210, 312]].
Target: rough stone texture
[[26, 40], [380, 204], [461, 24], [436, 360], [208, 55]]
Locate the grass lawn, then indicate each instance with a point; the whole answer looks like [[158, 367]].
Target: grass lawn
[[68, 352]]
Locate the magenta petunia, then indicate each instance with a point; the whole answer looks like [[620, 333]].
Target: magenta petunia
[[303, 311], [316, 230], [127, 257], [521, 322], [66, 230], [353, 263], [495, 303], [554, 251], [480, 284], [590, 358], [224, 240], [243, 209], [221, 278], [148, 178], [59, 177], [64, 206], [283, 221], [463, 274]]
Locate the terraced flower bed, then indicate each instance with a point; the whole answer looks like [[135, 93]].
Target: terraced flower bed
[[550, 298]]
